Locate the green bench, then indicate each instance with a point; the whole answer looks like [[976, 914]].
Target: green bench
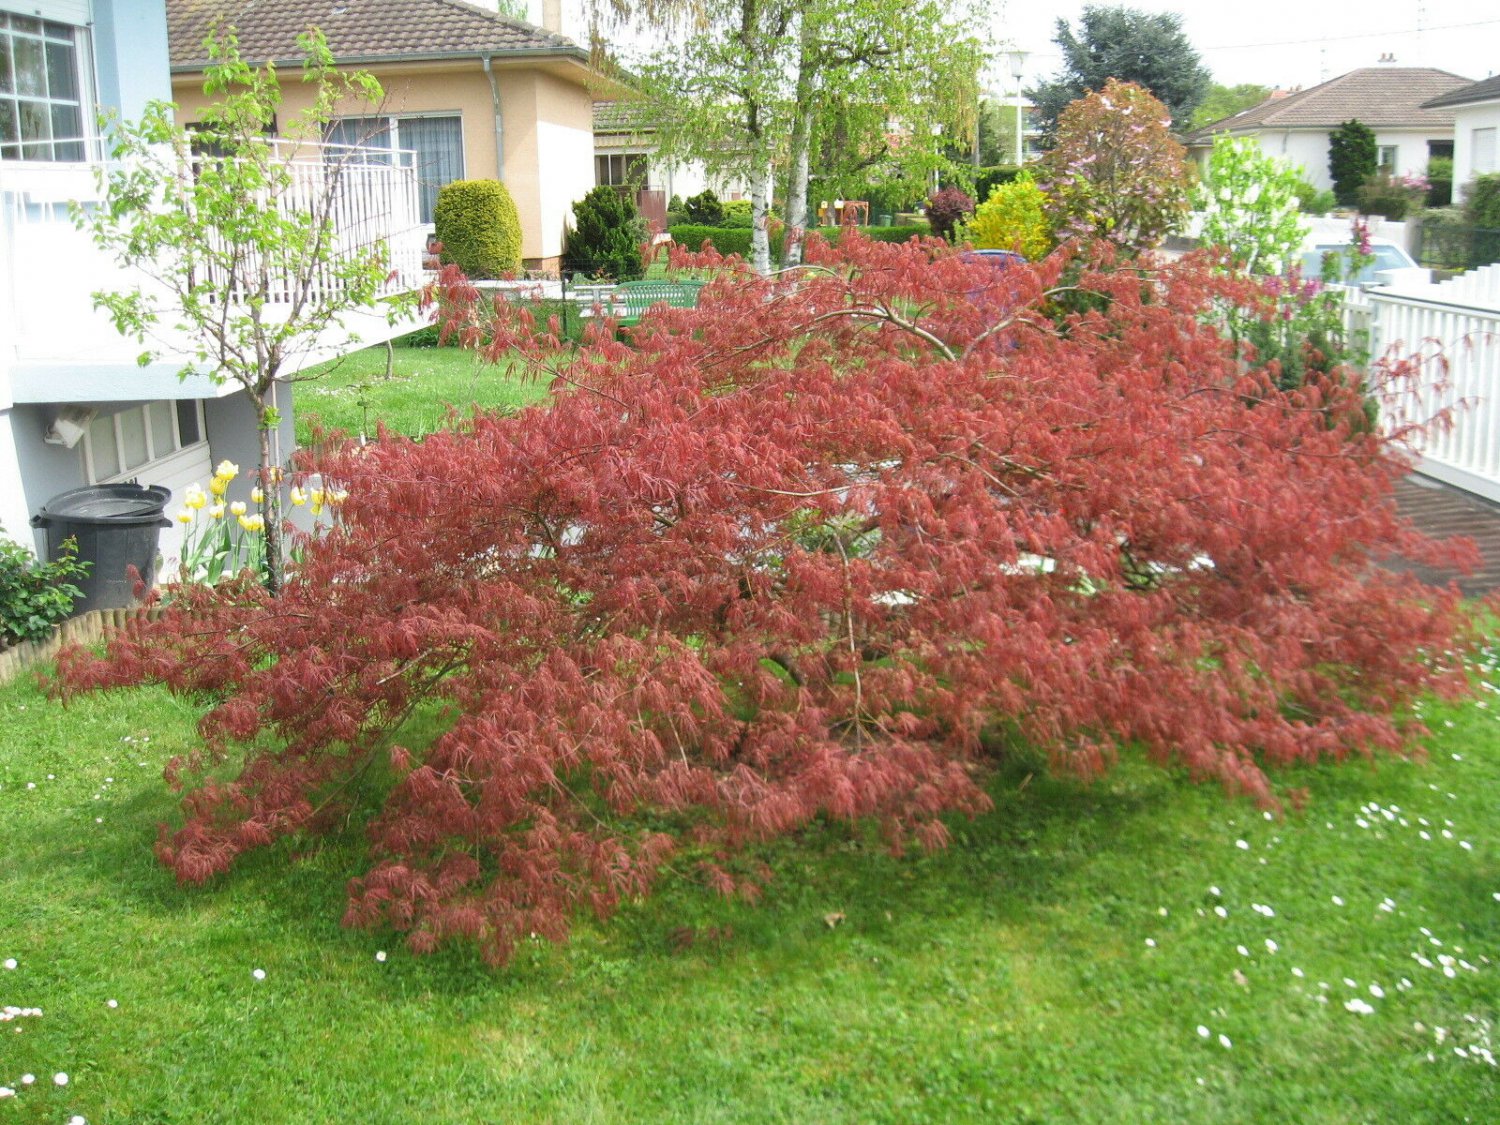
[[631, 300]]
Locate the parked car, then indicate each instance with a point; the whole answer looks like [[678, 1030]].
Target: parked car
[[1390, 263]]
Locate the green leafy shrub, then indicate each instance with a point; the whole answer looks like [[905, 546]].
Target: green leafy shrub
[[1440, 181], [1482, 201], [1014, 217], [1392, 196], [479, 227], [739, 213], [35, 595], [606, 236], [674, 204], [1351, 160], [704, 209], [1312, 200], [986, 180]]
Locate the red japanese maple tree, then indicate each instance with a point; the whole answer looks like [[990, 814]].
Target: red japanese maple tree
[[793, 554]]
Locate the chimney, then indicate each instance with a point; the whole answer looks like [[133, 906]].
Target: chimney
[[552, 16]]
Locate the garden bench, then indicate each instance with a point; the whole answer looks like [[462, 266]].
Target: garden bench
[[631, 300]]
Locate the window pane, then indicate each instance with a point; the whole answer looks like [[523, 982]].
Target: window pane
[[133, 438], [5, 67], [67, 124], [36, 125], [102, 444], [26, 23], [31, 67], [62, 79], [438, 143], [187, 421], [10, 130], [162, 441]]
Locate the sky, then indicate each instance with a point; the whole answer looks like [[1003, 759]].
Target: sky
[[1281, 43], [1277, 43]]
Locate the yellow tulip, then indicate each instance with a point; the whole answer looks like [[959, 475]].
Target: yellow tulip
[[217, 511], [251, 523], [218, 486], [237, 508], [195, 497], [228, 470], [185, 515], [256, 495], [298, 496]]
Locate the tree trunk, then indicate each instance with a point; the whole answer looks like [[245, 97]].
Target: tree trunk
[[760, 204], [270, 504], [796, 192]]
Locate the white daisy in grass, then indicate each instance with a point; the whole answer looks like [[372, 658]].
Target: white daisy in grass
[[60, 1079], [258, 974]]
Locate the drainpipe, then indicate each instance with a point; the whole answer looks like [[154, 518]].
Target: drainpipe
[[499, 128]]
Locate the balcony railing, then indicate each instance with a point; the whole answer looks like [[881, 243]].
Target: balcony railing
[[49, 269]]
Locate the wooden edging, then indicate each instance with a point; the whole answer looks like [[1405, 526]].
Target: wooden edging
[[85, 629]]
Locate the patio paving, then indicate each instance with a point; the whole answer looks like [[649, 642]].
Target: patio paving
[[1442, 511]]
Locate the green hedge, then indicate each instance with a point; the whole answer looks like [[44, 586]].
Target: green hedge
[[735, 240], [477, 223]]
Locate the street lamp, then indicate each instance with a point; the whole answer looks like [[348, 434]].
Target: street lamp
[[1017, 68]]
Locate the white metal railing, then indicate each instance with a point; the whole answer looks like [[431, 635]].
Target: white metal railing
[[49, 270], [1453, 333]]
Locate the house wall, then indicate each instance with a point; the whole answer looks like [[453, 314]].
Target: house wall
[[1467, 118], [1309, 148], [130, 41], [546, 126]]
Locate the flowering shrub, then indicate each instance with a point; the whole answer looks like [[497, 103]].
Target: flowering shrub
[[1116, 173], [1393, 197], [805, 551], [1013, 218], [1250, 208]]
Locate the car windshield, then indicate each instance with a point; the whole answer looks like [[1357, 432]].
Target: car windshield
[[1385, 257]]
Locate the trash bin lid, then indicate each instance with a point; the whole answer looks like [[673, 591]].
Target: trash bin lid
[[108, 503]]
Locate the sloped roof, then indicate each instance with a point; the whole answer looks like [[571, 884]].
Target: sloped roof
[[1377, 96], [623, 117], [358, 31], [1485, 90]]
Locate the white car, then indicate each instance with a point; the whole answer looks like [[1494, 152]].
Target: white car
[[1391, 263]]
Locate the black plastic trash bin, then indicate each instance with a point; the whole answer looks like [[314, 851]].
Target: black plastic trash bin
[[117, 526]]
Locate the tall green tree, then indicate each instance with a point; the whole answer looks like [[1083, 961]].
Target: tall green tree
[[240, 243], [1225, 101], [1147, 48], [1352, 159]]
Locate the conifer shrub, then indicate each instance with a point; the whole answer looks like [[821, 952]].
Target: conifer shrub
[[479, 228], [739, 213], [1352, 157], [704, 209], [606, 236], [798, 554]]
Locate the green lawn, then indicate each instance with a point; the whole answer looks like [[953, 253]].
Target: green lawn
[[354, 394], [1055, 964]]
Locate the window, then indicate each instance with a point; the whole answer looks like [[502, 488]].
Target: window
[[1385, 159], [620, 169], [436, 140], [1484, 151], [41, 104], [121, 444]]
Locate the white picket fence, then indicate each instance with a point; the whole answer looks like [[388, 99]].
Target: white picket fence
[[1453, 328]]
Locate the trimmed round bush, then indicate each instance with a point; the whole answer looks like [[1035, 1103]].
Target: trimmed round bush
[[479, 227]]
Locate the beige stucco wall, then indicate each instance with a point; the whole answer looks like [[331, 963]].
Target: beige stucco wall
[[546, 123]]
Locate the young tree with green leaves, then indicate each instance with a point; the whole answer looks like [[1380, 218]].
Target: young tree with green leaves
[[1249, 205], [239, 242], [1225, 101]]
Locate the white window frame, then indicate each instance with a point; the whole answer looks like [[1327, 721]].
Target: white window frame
[[1386, 157], [83, 62], [392, 126], [157, 460]]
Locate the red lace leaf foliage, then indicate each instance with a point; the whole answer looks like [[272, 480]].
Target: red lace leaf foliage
[[791, 555]]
